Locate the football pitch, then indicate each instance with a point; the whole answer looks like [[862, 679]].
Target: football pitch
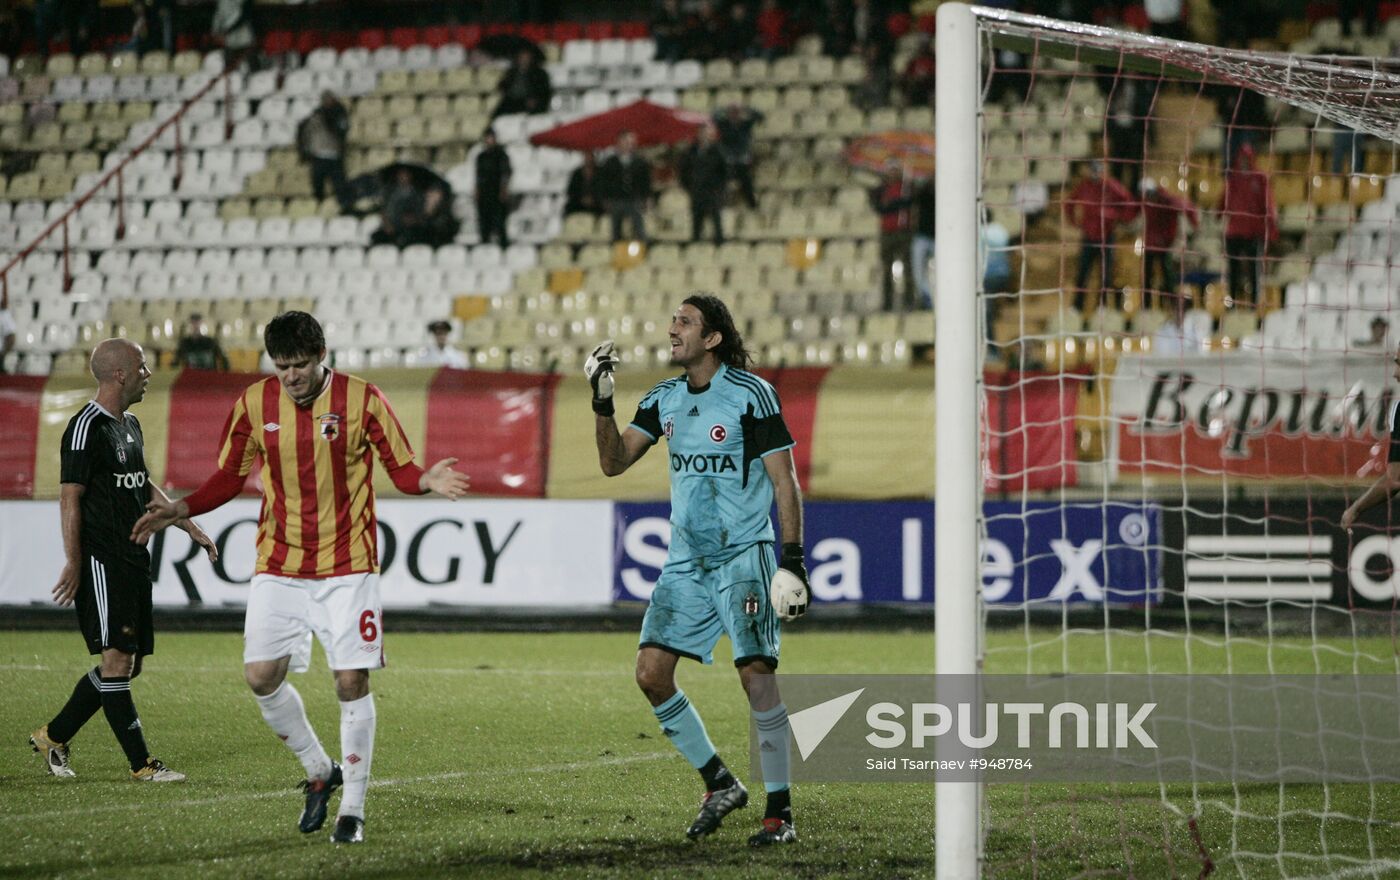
[[534, 755]]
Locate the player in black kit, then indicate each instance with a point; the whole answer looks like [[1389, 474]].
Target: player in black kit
[[105, 490]]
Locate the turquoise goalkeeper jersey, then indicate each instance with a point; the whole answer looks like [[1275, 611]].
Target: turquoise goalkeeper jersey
[[717, 437]]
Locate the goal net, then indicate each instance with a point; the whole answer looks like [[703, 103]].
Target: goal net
[[1181, 376]]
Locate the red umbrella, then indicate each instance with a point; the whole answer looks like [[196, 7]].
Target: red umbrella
[[911, 150], [651, 123]]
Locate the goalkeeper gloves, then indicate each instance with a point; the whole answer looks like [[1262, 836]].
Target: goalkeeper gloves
[[599, 370], [790, 599]]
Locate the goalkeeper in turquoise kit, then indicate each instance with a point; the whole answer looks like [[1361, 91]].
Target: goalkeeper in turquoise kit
[[730, 460]]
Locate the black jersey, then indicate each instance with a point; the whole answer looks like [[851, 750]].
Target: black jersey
[[106, 455]]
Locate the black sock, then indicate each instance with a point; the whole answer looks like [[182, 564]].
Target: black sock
[[716, 775], [121, 715], [81, 706], [779, 805]]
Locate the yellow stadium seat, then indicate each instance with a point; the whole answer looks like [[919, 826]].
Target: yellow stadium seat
[[565, 281]]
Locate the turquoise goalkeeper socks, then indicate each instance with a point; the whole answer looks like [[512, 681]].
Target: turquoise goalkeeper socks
[[773, 749], [683, 727]]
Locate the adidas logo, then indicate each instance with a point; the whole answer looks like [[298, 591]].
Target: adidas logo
[[135, 725], [768, 747], [669, 731], [694, 411]]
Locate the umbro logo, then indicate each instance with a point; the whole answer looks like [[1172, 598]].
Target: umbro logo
[[694, 411], [271, 426]]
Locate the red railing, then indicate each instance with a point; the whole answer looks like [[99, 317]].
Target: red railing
[[117, 173]]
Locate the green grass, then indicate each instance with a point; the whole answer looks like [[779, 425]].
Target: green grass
[[534, 755]]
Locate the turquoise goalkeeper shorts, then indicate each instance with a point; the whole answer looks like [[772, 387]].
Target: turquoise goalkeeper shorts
[[692, 607]]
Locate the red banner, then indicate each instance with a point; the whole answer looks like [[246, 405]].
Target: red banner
[[20, 397], [497, 425], [200, 403], [1028, 434], [1252, 414], [798, 388]]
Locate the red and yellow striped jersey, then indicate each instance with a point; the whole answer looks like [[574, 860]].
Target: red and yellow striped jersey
[[317, 518]]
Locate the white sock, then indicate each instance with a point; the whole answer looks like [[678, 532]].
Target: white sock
[[284, 713], [357, 745]]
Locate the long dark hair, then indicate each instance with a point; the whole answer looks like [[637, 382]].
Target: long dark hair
[[716, 318]]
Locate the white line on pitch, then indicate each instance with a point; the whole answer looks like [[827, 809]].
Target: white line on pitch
[[622, 672], [290, 794]]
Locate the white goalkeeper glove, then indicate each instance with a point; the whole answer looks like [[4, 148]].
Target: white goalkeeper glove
[[788, 592], [599, 370]]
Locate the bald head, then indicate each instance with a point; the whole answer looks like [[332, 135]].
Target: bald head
[[112, 355], [119, 365]]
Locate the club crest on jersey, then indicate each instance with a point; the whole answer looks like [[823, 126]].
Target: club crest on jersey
[[717, 433], [121, 455], [330, 426], [751, 604], [668, 427]]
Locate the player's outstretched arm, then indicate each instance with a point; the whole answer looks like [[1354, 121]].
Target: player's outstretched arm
[[160, 512], [197, 534], [616, 451], [70, 511], [1380, 490], [442, 479]]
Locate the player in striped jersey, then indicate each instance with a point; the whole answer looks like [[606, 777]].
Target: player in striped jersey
[[730, 460], [105, 488], [317, 432]]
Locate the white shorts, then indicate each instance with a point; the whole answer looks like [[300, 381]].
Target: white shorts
[[342, 612]]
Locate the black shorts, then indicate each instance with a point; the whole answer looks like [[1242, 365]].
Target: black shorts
[[114, 608]]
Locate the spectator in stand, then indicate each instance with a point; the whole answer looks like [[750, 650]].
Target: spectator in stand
[[492, 190], [917, 79], [7, 326], [921, 253], [77, 17], [838, 40], [525, 88], [582, 194], [893, 201], [625, 183], [704, 33], [197, 349], [402, 213], [1251, 223], [232, 27], [774, 30], [874, 89], [1127, 127], [735, 125], [439, 225], [1380, 329], [705, 174], [740, 37], [1176, 336], [1367, 12], [439, 353], [1161, 222], [1097, 205], [321, 139], [668, 31], [143, 35], [1246, 118], [1166, 18]]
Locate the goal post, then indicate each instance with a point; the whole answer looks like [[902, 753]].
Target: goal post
[[957, 467], [1144, 447]]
